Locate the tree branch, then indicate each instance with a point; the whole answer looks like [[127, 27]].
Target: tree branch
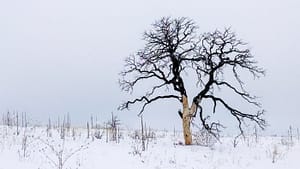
[[238, 114], [146, 101]]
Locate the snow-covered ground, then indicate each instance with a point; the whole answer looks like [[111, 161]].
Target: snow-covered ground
[[33, 149]]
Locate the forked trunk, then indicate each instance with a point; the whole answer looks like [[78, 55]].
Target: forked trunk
[[186, 116]]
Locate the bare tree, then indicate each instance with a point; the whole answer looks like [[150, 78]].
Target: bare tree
[[17, 123], [92, 122], [88, 129], [8, 119], [68, 124], [143, 134], [172, 50], [298, 134], [49, 127], [63, 129], [113, 125]]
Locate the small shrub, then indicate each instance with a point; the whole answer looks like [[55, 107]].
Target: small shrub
[[204, 138]]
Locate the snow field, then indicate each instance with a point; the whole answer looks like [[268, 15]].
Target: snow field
[[162, 152]]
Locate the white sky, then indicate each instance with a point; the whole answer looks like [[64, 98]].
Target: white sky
[[59, 56]]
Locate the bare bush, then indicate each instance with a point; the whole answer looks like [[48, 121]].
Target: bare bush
[[98, 134], [204, 138], [26, 144], [274, 153], [61, 154]]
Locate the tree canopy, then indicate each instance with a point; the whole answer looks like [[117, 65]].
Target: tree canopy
[[172, 49]]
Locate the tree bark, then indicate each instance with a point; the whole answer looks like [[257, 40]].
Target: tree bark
[[186, 116]]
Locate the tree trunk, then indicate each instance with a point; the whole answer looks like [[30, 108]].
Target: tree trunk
[[186, 121]]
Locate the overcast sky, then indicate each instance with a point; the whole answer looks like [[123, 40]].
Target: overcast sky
[[59, 56]]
